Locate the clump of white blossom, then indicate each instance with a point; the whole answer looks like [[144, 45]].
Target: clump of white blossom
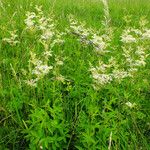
[[12, 39], [130, 105], [146, 34], [89, 36], [134, 47], [79, 29], [40, 67], [30, 20], [37, 21], [48, 35], [134, 50], [126, 37], [105, 73]]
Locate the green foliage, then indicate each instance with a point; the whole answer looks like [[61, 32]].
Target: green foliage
[[46, 127], [63, 111]]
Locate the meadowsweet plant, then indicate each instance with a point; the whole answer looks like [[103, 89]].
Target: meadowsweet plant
[[133, 49], [116, 63], [37, 21], [12, 39], [39, 70], [49, 37], [44, 70], [88, 36]]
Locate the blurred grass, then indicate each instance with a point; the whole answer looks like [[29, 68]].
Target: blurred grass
[[91, 11]]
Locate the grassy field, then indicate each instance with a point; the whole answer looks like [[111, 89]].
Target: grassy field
[[74, 75]]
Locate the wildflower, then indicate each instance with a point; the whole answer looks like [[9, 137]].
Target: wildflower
[[146, 34], [119, 74], [34, 60], [140, 63], [32, 82], [43, 23], [58, 62], [12, 40], [130, 105], [79, 30], [131, 71], [47, 34], [41, 70], [104, 79], [60, 78], [136, 31], [29, 21], [47, 54], [57, 41], [98, 43], [128, 38], [101, 79]]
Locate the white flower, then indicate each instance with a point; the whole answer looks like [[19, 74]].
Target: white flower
[[47, 34], [29, 21], [48, 53], [146, 34], [44, 68], [12, 40], [140, 63], [131, 71], [32, 82], [128, 39], [137, 31], [120, 74], [60, 78], [102, 79], [98, 43], [41, 70], [130, 105]]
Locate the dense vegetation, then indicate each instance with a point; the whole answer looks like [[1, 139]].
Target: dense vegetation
[[74, 74]]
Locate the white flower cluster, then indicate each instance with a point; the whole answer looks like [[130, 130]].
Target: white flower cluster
[[126, 37], [130, 105], [13, 39], [146, 34], [80, 30], [133, 35], [39, 68], [30, 20], [99, 44], [105, 73], [88, 36], [133, 50], [45, 25]]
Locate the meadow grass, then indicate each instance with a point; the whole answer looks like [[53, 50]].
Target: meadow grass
[[48, 99]]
